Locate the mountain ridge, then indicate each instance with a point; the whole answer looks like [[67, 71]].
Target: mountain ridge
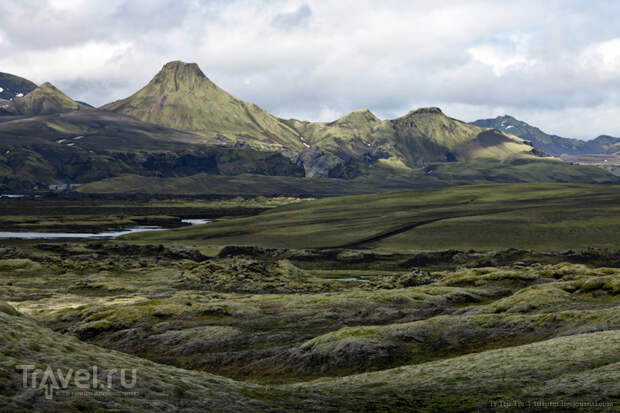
[[12, 86], [552, 144], [182, 97], [181, 124]]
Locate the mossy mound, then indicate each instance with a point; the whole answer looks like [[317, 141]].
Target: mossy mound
[[247, 275], [7, 309], [19, 264]]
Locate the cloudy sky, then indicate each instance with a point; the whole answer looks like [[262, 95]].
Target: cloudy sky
[[553, 63]]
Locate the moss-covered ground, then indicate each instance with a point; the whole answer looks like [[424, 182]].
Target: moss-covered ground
[[213, 325]]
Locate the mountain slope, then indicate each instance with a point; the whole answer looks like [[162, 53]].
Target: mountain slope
[[88, 145], [41, 145], [463, 141], [12, 86], [44, 100], [180, 96], [603, 144], [552, 144], [343, 147]]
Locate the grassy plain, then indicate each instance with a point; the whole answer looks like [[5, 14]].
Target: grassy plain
[[530, 216]]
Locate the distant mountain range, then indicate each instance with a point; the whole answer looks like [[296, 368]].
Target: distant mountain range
[[552, 144], [181, 124]]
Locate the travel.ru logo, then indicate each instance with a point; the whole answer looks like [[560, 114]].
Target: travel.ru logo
[[84, 379]]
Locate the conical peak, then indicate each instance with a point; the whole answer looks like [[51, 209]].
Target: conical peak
[[45, 100], [433, 110], [359, 115], [49, 86], [179, 66], [421, 112], [47, 89], [179, 75], [363, 112]]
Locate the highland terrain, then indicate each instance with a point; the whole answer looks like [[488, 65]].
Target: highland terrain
[[361, 265]]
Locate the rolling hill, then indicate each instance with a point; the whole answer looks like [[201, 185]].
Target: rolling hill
[[547, 216], [43, 100]]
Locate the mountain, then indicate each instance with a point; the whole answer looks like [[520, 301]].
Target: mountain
[[12, 86], [552, 144], [121, 154], [90, 145], [423, 136], [43, 100], [181, 125], [603, 144], [180, 96]]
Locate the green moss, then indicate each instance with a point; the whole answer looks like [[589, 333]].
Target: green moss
[[19, 264], [180, 96], [7, 309], [483, 216], [45, 100]]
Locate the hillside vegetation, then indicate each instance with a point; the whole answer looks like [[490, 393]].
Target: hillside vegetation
[[90, 145], [536, 216], [43, 100], [180, 96], [181, 126]]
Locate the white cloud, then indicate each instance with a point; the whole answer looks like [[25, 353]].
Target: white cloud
[[602, 59], [502, 59], [320, 60], [65, 64]]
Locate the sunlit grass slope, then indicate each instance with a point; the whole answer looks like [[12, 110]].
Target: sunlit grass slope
[[548, 216], [180, 96], [44, 100]]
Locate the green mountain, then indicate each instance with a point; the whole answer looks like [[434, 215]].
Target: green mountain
[[90, 145], [12, 86], [44, 100], [180, 96], [604, 144], [552, 144], [349, 145], [181, 129]]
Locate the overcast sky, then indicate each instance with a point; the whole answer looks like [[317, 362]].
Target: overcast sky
[[554, 64]]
